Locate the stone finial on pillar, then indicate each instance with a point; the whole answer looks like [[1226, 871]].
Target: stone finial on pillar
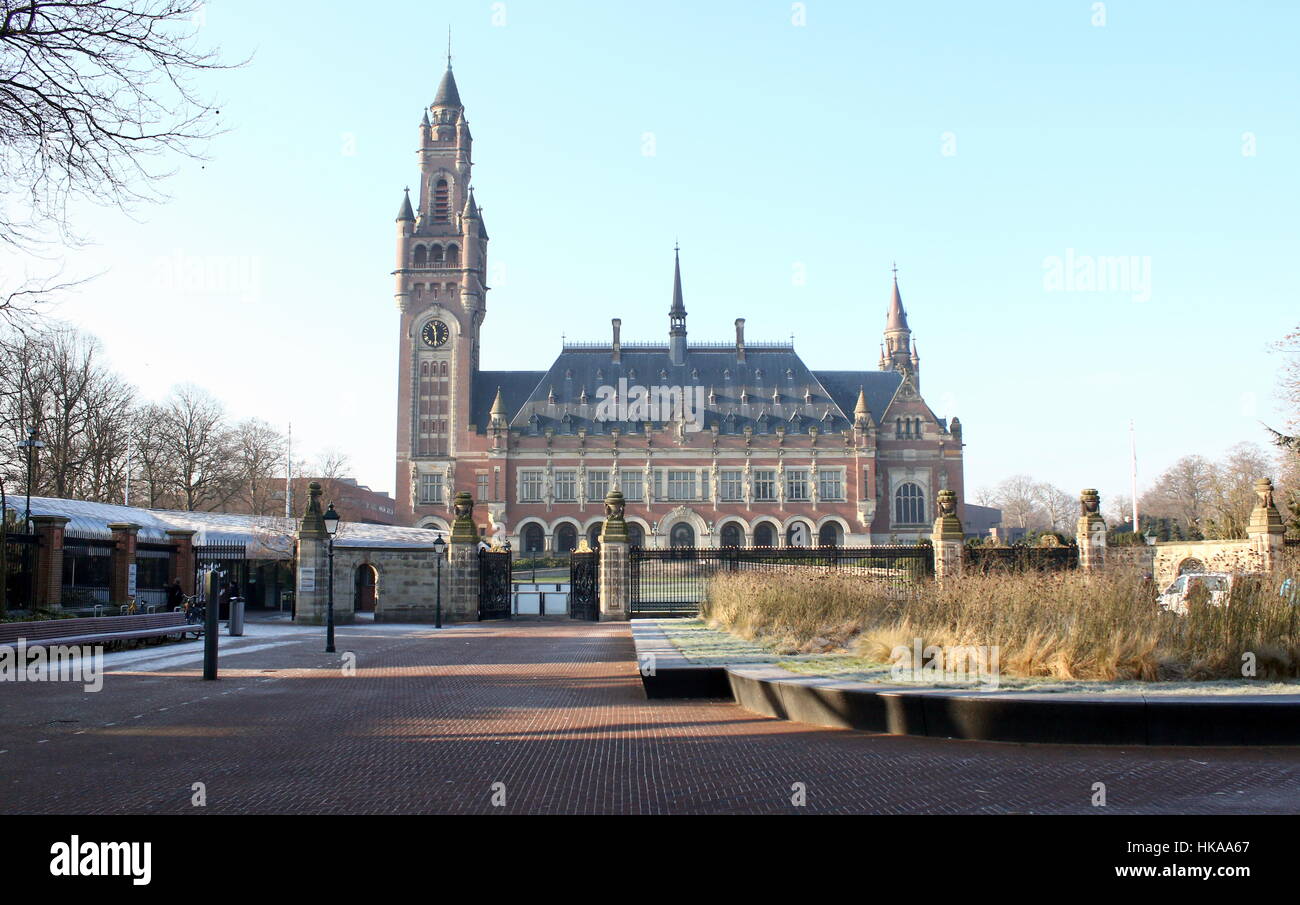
[[461, 601], [1266, 529], [615, 562], [1090, 531], [948, 538]]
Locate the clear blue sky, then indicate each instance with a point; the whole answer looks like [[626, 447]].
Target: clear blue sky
[[776, 145]]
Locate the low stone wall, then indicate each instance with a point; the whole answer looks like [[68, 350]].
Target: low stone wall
[[1214, 555]]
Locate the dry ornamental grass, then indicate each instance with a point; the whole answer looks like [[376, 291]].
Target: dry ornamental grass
[[1065, 625]]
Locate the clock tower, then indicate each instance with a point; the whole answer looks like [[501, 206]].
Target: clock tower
[[440, 287]]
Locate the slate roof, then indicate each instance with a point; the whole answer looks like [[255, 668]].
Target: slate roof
[[263, 537], [447, 95], [772, 386]]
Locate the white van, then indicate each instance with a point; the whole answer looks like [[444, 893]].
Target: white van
[[1173, 599]]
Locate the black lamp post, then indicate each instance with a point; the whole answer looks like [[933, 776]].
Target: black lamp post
[[31, 444], [331, 519], [439, 550]]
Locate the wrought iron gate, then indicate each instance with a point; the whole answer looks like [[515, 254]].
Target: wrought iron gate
[[494, 584], [674, 582], [584, 597]]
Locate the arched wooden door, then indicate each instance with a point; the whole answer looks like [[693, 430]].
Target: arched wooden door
[[367, 589]]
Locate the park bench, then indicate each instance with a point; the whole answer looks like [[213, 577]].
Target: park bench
[[98, 629]]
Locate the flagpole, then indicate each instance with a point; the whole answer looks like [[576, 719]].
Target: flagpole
[[1133, 451]]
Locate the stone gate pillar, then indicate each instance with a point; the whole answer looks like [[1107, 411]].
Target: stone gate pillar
[[312, 592], [948, 538], [48, 593], [460, 603], [1090, 531], [124, 540], [1266, 529], [615, 563], [181, 565]]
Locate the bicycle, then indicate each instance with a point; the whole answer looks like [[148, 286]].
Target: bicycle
[[195, 609]]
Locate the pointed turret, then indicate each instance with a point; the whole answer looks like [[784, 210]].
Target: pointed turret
[[405, 212], [497, 416], [861, 414], [897, 354], [677, 315], [448, 95], [471, 208]]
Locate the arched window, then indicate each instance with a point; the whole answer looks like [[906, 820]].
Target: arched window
[[443, 370], [682, 535], [898, 428], [453, 256], [442, 201], [593, 535], [764, 536], [435, 254], [635, 536], [909, 505], [424, 369], [731, 535], [419, 255], [566, 538], [534, 538], [829, 535]]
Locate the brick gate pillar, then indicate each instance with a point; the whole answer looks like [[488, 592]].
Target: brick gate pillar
[[48, 593], [124, 539], [460, 604], [312, 592], [1266, 529], [615, 563], [1090, 531], [948, 538], [181, 566]]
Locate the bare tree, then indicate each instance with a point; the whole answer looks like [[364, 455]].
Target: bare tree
[[52, 379], [260, 449], [1184, 493], [1059, 508], [96, 103], [200, 447]]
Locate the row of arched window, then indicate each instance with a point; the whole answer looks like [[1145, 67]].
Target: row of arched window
[[436, 256], [565, 538], [907, 428]]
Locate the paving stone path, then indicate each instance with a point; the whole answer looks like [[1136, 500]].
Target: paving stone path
[[433, 721]]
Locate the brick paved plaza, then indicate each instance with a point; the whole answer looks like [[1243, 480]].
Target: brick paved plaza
[[431, 720]]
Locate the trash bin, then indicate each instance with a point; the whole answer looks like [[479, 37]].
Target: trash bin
[[236, 616]]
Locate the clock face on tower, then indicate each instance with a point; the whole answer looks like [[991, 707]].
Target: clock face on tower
[[434, 334]]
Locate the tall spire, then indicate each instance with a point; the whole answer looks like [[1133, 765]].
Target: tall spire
[[405, 212], [677, 314], [897, 354], [447, 95]]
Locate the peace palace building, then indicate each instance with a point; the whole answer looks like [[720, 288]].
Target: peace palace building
[[733, 444]]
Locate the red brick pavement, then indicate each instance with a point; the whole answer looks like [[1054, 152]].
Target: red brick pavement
[[431, 721]]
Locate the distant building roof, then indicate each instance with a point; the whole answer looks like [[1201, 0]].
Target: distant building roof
[[263, 537]]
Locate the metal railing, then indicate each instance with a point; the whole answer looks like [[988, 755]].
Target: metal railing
[[675, 581]]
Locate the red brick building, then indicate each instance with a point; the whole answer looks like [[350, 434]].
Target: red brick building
[[712, 444]]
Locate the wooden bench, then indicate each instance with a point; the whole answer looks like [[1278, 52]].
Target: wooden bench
[[98, 629]]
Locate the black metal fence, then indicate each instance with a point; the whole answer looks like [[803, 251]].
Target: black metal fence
[[584, 581], [19, 575], [674, 582], [87, 570], [1021, 558], [494, 584]]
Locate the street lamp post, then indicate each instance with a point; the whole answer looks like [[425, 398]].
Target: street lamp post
[[31, 444], [331, 519], [439, 550]]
